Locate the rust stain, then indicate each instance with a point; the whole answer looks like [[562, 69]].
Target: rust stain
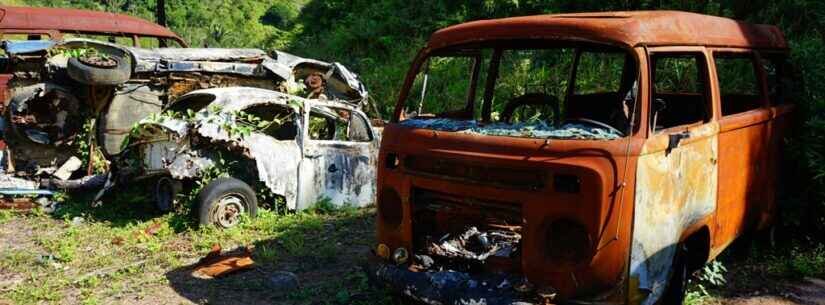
[[216, 264], [56, 21], [19, 204]]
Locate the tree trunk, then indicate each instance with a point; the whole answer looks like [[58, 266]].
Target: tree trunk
[[161, 12]]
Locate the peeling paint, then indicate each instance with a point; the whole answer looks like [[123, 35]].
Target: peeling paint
[[673, 191]]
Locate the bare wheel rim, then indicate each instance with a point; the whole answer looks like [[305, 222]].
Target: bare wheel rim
[[227, 210]]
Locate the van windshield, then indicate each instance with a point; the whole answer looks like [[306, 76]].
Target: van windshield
[[586, 93]]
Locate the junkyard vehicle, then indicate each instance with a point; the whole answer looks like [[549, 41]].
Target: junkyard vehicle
[[63, 91], [43, 133], [31, 23], [592, 158], [301, 150]]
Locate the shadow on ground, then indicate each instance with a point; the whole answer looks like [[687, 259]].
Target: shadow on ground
[[325, 257]]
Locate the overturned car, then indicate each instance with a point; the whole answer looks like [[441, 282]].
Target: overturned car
[[296, 149]]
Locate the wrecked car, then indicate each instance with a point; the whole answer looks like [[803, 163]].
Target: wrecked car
[[44, 110], [69, 96], [300, 150], [594, 158]]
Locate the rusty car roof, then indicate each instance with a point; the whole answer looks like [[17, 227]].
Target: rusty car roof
[[75, 20], [628, 29]]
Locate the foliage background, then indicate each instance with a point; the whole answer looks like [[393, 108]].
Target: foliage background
[[378, 38]]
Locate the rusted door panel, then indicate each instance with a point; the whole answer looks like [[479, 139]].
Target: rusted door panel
[[673, 191], [743, 177]]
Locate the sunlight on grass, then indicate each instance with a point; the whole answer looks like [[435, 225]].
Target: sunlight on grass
[[98, 255]]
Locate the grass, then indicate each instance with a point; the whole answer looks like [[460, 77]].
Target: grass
[[757, 266], [126, 253], [123, 252]]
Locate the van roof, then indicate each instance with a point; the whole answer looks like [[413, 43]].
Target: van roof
[[630, 29], [81, 21]]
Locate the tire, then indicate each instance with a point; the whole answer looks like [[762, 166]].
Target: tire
[[222, 202], [95, 75], [675, 291]]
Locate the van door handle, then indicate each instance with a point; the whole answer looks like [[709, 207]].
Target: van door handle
[[674, 140]]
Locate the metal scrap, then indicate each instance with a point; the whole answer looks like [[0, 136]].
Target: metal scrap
[[476, 245], [216, 264]]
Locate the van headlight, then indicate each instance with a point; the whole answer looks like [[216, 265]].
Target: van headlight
[[400, 256]]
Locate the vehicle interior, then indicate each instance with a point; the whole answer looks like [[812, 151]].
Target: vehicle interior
[[337, 124], [680, 90], [527, 82]]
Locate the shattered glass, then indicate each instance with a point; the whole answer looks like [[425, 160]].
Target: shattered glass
[[525, 130]]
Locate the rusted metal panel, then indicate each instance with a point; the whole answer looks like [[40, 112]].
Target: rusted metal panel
[[674, 190], [631, 29], [644, 195], [743, 158], [75, 20]]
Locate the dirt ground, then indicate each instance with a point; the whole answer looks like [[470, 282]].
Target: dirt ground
[[105, 256]]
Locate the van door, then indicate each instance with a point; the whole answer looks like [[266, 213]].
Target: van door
[[677, 169], [338, 163], [743, 142]]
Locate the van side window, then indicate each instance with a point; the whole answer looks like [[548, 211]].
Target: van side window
[[679, 90], [782, 85], [739, 86]]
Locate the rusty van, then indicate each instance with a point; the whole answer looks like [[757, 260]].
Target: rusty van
[[593, 158]]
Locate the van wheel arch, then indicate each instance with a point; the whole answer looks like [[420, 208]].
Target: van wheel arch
[[697, 245]]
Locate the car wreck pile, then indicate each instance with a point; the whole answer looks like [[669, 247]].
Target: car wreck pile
[[77, 102]]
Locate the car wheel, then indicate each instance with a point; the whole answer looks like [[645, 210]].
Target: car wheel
[[675, 291], [91, 73], [222, 202]]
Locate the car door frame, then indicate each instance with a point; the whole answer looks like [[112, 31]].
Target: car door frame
[[743, 139], [676, 185], [357, 179]]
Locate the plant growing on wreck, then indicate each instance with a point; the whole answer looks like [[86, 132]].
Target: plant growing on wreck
[[87, 153]]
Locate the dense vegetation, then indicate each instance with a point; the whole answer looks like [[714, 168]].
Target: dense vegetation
[[378, 38]]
